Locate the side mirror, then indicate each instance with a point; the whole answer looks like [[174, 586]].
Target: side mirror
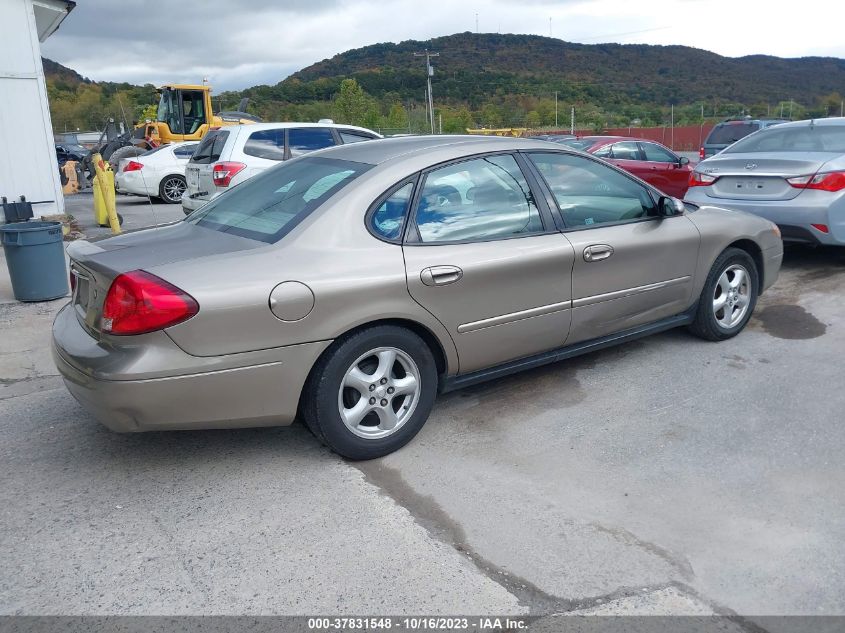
[[683, 160], [668, 206]]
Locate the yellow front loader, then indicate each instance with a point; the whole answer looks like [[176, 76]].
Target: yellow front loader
[[184, 114]]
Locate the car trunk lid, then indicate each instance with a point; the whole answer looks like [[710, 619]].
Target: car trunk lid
[[756, 177], [96, 264]]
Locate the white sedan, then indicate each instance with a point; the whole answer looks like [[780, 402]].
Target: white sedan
[[159, 172]]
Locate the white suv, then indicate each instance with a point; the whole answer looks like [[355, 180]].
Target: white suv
[[229, 155]]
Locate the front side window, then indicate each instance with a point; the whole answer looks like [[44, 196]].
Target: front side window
[[268, 144], [480, 199], [656, 154], [388, 219], [590, 193], [269, 205], [304, 140]]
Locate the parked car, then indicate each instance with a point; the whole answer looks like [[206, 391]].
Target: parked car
[[649, 160], [159, 172], [352, 285], [231, 155], [70, 151], [792, 174], [730, 131]]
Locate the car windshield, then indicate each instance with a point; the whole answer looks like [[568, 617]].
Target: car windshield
[[268, 206], [806, 138], [727, 133], [578, 143]]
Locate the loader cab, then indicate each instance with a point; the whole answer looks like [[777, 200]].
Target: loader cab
[[185, 111]]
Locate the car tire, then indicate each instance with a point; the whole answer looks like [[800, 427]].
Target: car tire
[[127, 151], [332, 409], [171, 188], [728, 298]]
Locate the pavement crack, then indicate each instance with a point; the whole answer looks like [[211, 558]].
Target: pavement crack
[[427, 513], [680, 563]]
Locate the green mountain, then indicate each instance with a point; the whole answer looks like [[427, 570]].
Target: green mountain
[[492, 79], [474, 67]]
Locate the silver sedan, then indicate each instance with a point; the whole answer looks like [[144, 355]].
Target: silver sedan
[[350, 286], [792, 174]]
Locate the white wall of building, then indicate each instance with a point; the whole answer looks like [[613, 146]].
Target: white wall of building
[[27, 154]]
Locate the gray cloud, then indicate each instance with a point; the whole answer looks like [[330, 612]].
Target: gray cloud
[[240, 43]]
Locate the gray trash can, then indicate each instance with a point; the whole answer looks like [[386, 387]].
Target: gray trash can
[[35, 256]]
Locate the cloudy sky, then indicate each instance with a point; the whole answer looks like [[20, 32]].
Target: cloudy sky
[[240, 43]]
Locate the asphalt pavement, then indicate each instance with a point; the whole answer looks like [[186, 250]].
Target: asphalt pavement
[[670, 475]]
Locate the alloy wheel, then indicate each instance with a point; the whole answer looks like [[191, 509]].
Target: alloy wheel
[[731, 296], [173, 188], [379, 392]]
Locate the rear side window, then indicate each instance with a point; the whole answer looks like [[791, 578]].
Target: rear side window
[[185, 151], [481, 199], [806, 138], [267, 206], [727, 133], [348, 136], [388, 218], [210, 147], [591, 193], [304, 140], [269, 144]]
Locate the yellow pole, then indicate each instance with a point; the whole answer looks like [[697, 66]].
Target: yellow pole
[[106, 179]]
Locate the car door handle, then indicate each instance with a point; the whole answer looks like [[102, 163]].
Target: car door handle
[[441, 275], [597, 252]]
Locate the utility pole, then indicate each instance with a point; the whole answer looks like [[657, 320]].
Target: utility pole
[[842, 108], [572, 121], [672, 123], [476, 24], [429, 71], [550, 26], [555, 108], [790, 108]]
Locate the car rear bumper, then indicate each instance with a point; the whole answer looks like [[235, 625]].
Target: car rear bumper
[[796, 217], [189, 204], [190, 392], [133, 182]]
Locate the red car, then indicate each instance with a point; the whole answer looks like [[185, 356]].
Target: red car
[[649, 160]]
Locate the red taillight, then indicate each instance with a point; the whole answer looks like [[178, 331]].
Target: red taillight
[[222, 173], [822, 228], [830, 181], [701, 153], [697, 179], [138, 302], [132, 165]]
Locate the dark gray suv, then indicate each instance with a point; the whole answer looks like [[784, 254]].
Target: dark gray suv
[[729, 131]]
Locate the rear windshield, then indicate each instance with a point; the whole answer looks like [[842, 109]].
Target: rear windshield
[[577, 143], [210, 147], [727, 133], [267, 206], [807, 138]]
